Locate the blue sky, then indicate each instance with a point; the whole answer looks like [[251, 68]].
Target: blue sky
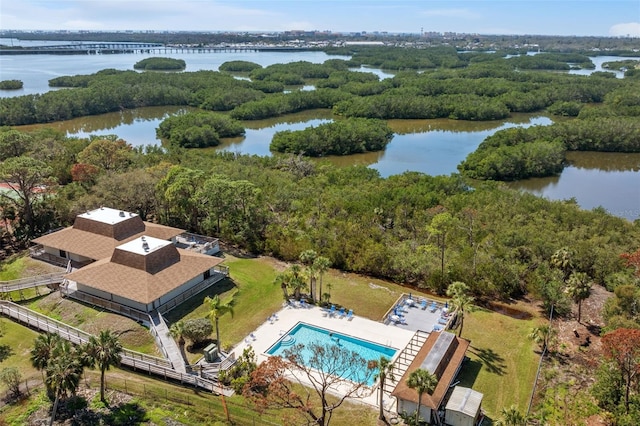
[[550, 17]]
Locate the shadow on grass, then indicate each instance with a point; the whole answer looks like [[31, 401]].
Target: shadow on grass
[[30, 295], [493, 362], [487, 421], [469, 372], [509, 311], [199, 346], [196, 300], [126, 414], [5, 352]]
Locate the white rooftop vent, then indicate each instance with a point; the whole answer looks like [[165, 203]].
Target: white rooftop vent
[[121, 214]]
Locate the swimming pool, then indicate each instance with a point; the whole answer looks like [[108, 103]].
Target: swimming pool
[[305, 334]]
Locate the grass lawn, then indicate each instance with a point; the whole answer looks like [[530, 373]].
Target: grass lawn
[[24, 266], [17, 341], [503, 360], [92, 319], [256, 297], [164, 403], [11, 271]]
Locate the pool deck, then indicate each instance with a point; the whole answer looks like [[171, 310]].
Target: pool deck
[[418, 316], [387, 332], [269, 332]]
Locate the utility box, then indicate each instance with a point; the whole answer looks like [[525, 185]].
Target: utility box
[[211, 353]]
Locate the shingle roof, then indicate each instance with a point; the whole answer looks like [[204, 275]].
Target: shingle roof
[[146, 253], [445, 371], [96, 239], [120, 230], [142, 285]]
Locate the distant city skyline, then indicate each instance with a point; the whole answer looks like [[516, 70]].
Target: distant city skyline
[[617, 18]]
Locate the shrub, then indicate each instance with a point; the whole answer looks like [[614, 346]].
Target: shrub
[[197, 329], [11, 377]]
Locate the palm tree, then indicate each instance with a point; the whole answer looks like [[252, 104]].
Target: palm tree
[[579, 289], [281, 279], [308, 258], [543, 335], [461, 301], [512, 417], [385, 371], [296, 279], [440, 225], [322, 265], [177, 330], [42, 352], [105, 351], [64, 371], [422, 381], [216, 310], [457, 288], [562, 260]]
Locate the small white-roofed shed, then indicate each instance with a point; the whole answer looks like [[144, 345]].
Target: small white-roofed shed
[[463, 407]]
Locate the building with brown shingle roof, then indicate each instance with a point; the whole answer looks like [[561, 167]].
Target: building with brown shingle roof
[[128, 261], [144, 273], [442, 355], [96, 233]]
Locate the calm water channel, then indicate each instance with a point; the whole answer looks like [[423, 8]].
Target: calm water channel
[[429, 146]]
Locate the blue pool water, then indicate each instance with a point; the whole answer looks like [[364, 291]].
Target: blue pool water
[[306, 334]]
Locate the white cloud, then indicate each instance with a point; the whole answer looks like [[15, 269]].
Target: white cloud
[[625, 29]]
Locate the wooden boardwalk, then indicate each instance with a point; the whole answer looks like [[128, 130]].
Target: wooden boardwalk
[[137, 361], [25, 283]]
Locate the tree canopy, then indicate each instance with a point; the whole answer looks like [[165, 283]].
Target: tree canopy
[[342, 137], [160, 64]]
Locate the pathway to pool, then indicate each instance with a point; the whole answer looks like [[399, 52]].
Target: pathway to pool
[[285, 319]]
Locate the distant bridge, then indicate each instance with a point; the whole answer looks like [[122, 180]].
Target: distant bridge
[[116, 48]]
